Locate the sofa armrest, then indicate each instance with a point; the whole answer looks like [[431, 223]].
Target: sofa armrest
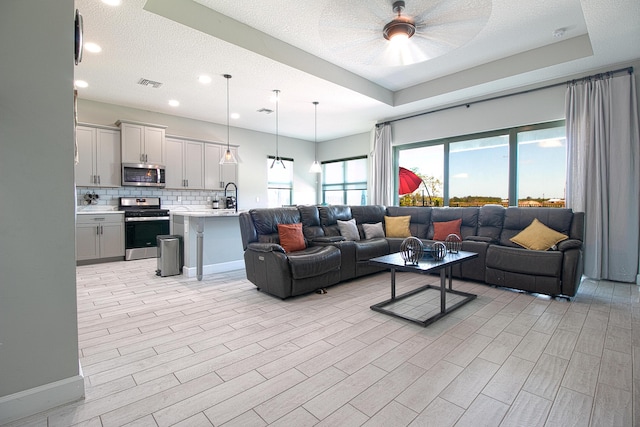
[[480, 239], [569, 244], [328, 239], [265, 247]]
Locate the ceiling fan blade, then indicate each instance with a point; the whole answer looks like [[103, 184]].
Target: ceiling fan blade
[[352, 31]]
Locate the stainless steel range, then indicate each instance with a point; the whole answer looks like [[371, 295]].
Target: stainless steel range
[[143, 221]]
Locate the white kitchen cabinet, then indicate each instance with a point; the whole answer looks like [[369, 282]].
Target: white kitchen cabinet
[[185, 164], [99, 236], [217, 175], [142, 143], [98, 156]]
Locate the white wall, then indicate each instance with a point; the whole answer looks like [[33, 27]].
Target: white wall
[[253, 149], [38, 316]]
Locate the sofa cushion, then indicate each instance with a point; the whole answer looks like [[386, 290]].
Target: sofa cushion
[[517, 219], [310, 222], [314, 261], [348, 229], [469, 217], [490, 219], [266, 220], [518, 260], [329, 216], [538, 237], [442, 229], [367, 249], [397, 226], [420, 218], [291, 237], [371, 231]]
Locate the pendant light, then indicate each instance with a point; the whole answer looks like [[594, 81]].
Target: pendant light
[[315, 166], [277, 159], [228, 158]]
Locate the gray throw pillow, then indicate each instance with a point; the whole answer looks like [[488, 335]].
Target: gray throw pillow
[[372, 231], [349, 229]]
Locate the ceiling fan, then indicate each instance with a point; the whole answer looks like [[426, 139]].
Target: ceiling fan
[[365, 32]]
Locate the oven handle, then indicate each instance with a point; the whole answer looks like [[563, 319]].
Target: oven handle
[[146, 218]]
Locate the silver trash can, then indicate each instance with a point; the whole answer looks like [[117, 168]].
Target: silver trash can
[[170, 257]]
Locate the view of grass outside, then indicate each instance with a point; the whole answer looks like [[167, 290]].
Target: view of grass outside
[[480, 171]]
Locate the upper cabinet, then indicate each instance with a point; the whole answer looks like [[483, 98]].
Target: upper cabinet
[[217, 175], [185, 164], [98, 156], [142, 142]]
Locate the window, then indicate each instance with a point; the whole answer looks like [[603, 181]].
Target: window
[[542, 167], [479, 171], [523, 166], [280, 182], [344, 182], [427, 162]]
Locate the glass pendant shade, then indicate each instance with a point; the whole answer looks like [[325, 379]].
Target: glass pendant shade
[[228, 158], [315, 166]]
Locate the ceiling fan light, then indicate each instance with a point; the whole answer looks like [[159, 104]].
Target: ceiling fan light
[[399, 27]]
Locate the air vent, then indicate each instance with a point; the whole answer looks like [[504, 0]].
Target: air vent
[[147, 82], [265, 110]]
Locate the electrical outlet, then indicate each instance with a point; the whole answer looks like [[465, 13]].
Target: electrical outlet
[[179, 198], [257, 199], [209, 199]]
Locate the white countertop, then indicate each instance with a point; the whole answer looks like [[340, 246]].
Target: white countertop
[[207, 213]]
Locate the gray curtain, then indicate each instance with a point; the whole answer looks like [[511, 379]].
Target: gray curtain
[[382, 179], [603, 178]]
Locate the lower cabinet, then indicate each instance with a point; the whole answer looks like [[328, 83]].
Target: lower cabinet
[[99, 237]]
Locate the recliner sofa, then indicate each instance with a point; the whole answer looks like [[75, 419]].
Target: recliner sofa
[[329, 259]]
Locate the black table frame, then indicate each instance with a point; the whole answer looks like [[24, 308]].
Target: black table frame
[[425, 266]]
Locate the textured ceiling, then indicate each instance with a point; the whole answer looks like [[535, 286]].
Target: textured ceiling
[[333, 52]]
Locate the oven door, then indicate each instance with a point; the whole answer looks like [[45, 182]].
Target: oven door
[[140, 236]]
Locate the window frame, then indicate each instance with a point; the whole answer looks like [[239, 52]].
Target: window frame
[[280, 186], [512, 133], [344, 186]]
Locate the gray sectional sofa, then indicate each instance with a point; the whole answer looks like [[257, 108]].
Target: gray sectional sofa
[[328, 258]]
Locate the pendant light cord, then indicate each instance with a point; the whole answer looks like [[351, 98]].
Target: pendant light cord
[[227, 76], [315, 140]]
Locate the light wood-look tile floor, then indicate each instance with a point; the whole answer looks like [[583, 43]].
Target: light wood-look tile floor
[[174, 351]]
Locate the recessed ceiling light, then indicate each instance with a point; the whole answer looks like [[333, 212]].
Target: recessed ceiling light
[[92, 47], [235, 115], [204, 79], [81, 83], [174, 103], [112, 2]]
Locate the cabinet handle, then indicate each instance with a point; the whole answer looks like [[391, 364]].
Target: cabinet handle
[[187, 181], [98, 179], [101, 230], [97, 230], [146, 157]]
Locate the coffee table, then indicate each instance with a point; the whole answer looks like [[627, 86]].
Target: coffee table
[[421, 305]]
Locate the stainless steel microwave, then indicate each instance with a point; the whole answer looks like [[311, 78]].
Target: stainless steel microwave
[[143, 175]]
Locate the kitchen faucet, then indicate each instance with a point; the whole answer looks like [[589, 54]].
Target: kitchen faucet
[[236, 193]]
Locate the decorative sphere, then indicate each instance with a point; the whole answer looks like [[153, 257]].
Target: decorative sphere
[[453, 243], [411, 250], [438, 251]]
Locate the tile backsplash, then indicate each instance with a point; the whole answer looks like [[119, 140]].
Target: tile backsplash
[[110, 196]]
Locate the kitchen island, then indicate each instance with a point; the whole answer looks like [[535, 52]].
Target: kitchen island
[[211, 239]]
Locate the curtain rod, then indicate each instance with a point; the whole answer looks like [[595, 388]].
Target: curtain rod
[[469, 104]]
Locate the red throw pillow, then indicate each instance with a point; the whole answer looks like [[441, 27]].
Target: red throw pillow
[[442, 229], [291, 237]]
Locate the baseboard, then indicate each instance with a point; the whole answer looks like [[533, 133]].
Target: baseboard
[[214, 268], [38, 399]]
